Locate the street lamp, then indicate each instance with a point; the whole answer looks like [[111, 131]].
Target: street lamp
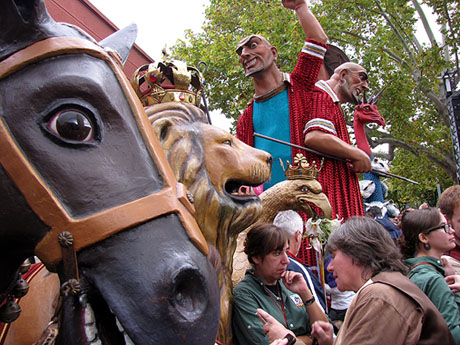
[[447, 80]]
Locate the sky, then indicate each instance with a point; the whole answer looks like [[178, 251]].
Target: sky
[[160, 23]]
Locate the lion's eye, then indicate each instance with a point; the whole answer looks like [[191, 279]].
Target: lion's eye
[[227, 142], [72, 124], [304, 189]]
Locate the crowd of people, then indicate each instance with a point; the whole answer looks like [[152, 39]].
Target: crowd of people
[[403, 292], [388, 281]]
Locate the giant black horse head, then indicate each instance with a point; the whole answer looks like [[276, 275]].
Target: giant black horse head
[[85, 186]]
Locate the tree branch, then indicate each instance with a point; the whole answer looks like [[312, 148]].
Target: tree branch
[[425, 23], [397, 33], [446, 162], [364, 39]]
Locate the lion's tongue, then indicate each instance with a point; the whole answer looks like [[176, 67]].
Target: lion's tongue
[[244, 191]]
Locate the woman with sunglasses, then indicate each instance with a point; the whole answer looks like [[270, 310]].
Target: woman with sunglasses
[[426, 236]]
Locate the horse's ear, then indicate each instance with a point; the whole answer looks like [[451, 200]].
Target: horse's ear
[[22, 22], [121, 41]]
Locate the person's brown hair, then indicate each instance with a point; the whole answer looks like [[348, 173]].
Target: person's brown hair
[[449, 199], [414, 223], [263, 239], [368, 244]]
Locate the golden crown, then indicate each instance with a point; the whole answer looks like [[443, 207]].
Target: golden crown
[[302, 170], [169, 81]]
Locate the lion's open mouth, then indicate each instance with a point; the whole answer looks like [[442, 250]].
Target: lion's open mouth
[[240, 191]]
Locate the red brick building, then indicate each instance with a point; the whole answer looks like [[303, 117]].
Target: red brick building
[[85, 15]]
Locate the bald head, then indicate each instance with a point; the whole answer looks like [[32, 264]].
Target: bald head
[[247, 40], [350, 66], [349, 81]]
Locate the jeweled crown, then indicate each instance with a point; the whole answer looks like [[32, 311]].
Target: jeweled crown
[[169, 81], [303, 170]]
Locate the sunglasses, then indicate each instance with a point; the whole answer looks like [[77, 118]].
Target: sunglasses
[[444, 226]]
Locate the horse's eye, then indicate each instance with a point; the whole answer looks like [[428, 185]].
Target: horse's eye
[[72, 124], [227, 142]]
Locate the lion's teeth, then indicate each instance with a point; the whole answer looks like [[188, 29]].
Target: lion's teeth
[[244, 191]]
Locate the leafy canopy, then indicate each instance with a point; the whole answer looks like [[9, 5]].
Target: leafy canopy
[[378, 34]]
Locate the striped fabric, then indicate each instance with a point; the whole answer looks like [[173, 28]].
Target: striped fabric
[[319, 123], [314, 49], [326, 88]]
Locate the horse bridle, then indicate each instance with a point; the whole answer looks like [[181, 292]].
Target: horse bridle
[[94, 228]]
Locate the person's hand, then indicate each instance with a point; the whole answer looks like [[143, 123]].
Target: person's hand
[[424, 205], [323, 332], [454, 282], [448, 268], [272, 327], [293, 4], [360, 162], [295, 282]]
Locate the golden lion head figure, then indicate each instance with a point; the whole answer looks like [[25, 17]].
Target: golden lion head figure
[[219, 171], [217, 168]]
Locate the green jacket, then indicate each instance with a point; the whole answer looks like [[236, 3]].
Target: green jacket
[[251, 294], [428, 274]]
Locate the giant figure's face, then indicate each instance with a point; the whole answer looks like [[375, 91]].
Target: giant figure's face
[[256, 54], [354, 84]]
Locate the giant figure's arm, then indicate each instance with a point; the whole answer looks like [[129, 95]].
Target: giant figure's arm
[[310, 25], [332, 145], [311, 60]]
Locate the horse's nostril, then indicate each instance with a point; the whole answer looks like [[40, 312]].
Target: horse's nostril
[[189, 293]]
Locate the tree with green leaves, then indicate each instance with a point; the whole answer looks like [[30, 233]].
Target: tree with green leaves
[[379, 35]]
